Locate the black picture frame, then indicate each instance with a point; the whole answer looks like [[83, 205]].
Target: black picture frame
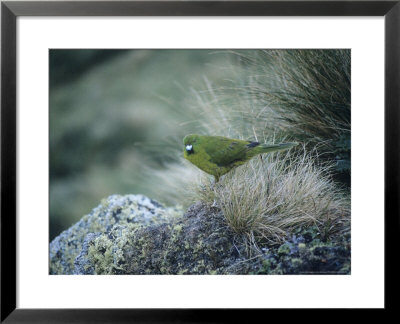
[[11, 10]]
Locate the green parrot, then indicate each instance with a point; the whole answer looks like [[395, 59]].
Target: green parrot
[[217, 155]]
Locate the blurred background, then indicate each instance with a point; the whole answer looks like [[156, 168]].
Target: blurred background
[[115, 115]]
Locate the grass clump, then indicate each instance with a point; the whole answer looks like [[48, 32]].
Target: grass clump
[[303, 93], [268, 199]]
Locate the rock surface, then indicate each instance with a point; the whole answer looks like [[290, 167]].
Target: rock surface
[[197, 243], [135, 235], [137, 210]]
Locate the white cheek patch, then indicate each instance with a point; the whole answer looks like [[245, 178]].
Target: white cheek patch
[[189, 147]]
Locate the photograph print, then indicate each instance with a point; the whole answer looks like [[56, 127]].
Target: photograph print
[[200, 161]]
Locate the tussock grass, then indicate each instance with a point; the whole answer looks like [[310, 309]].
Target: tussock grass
[[306, 93], [267, 199]]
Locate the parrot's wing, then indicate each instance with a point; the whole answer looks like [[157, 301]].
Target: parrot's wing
[[224, 151]]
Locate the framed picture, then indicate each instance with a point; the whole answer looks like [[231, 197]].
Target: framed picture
[[100, 105]]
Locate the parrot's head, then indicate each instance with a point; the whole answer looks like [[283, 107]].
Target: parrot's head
[[190, 143]]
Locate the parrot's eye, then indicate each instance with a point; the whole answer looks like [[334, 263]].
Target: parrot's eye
[[189, 148]]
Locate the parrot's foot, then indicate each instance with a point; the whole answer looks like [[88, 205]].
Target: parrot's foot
[[213, 185], [214, 204]]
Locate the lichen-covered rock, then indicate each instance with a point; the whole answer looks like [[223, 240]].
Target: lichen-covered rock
[[135, 235], [306, 253], [82, 264], [198, 243], [133, 210]]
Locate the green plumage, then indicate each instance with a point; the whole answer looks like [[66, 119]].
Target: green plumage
[[218, 155]]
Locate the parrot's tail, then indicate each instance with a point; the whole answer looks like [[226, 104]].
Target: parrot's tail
[[265, 148]]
